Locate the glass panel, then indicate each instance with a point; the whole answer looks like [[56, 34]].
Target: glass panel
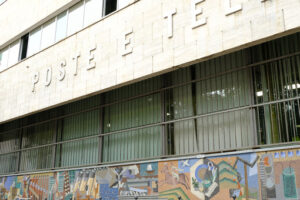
[[212, 93], [48, 33], [38, 135], [81, 125], [78, 153], [277, 80], [14, 51], [24, 46], [8, 163], [275, 48], [146, 86], [110, 6], [3, 59], [75, 20], [179, 100], [226, 91], [78, 126], [138, 112], [217, 132], [130, 145], [278, 122], [61, 26], [34, 42], [182, 137], [33, 159], [9, 142], [93, 11], [230, 130]]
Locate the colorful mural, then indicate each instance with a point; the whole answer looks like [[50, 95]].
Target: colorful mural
[[214, 178], [266, 175], [279, 175], [92, 184]]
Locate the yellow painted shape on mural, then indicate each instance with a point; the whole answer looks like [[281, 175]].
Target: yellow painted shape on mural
[[153, 184], [49, 174], [82, 185]]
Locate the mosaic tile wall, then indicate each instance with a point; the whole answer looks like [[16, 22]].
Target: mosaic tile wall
[[267, 175]]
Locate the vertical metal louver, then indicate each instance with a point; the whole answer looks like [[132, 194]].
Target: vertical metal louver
[[240, 100]]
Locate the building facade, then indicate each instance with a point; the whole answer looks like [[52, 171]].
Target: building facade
[[143, 99]]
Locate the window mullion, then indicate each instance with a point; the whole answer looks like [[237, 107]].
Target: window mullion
[[54, 146], [20, 148], [100, 145], [164, 144]]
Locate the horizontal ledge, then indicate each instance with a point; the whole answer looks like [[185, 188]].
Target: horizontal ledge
[[254, 149]]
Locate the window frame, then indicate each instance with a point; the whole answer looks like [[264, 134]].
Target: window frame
[[23, 46], [73, 31], [102, 9], [54, 32], [105, 6], [66, 27], [18, 53], [2, 2], [40, 40], [6, 50]]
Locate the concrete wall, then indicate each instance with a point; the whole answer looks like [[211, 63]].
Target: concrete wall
[[257, 175], [18, 16], [153, 51]]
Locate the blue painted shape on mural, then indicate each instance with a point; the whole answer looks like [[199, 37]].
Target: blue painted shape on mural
[[147, 170], [69, 196], [72, 175], [138, 190], [108, 193], [283, 154], [185, 165], [200, 167], [18, 185], [298, 152], [290, 154], [9, 181], [276, 155], [252, 172], [128, 174]]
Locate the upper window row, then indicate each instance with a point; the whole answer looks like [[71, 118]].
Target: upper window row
[[70, 21]]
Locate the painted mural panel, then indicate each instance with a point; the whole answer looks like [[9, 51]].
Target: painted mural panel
[[92, 184], [273, 175], [279, 175], [214, 178]]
